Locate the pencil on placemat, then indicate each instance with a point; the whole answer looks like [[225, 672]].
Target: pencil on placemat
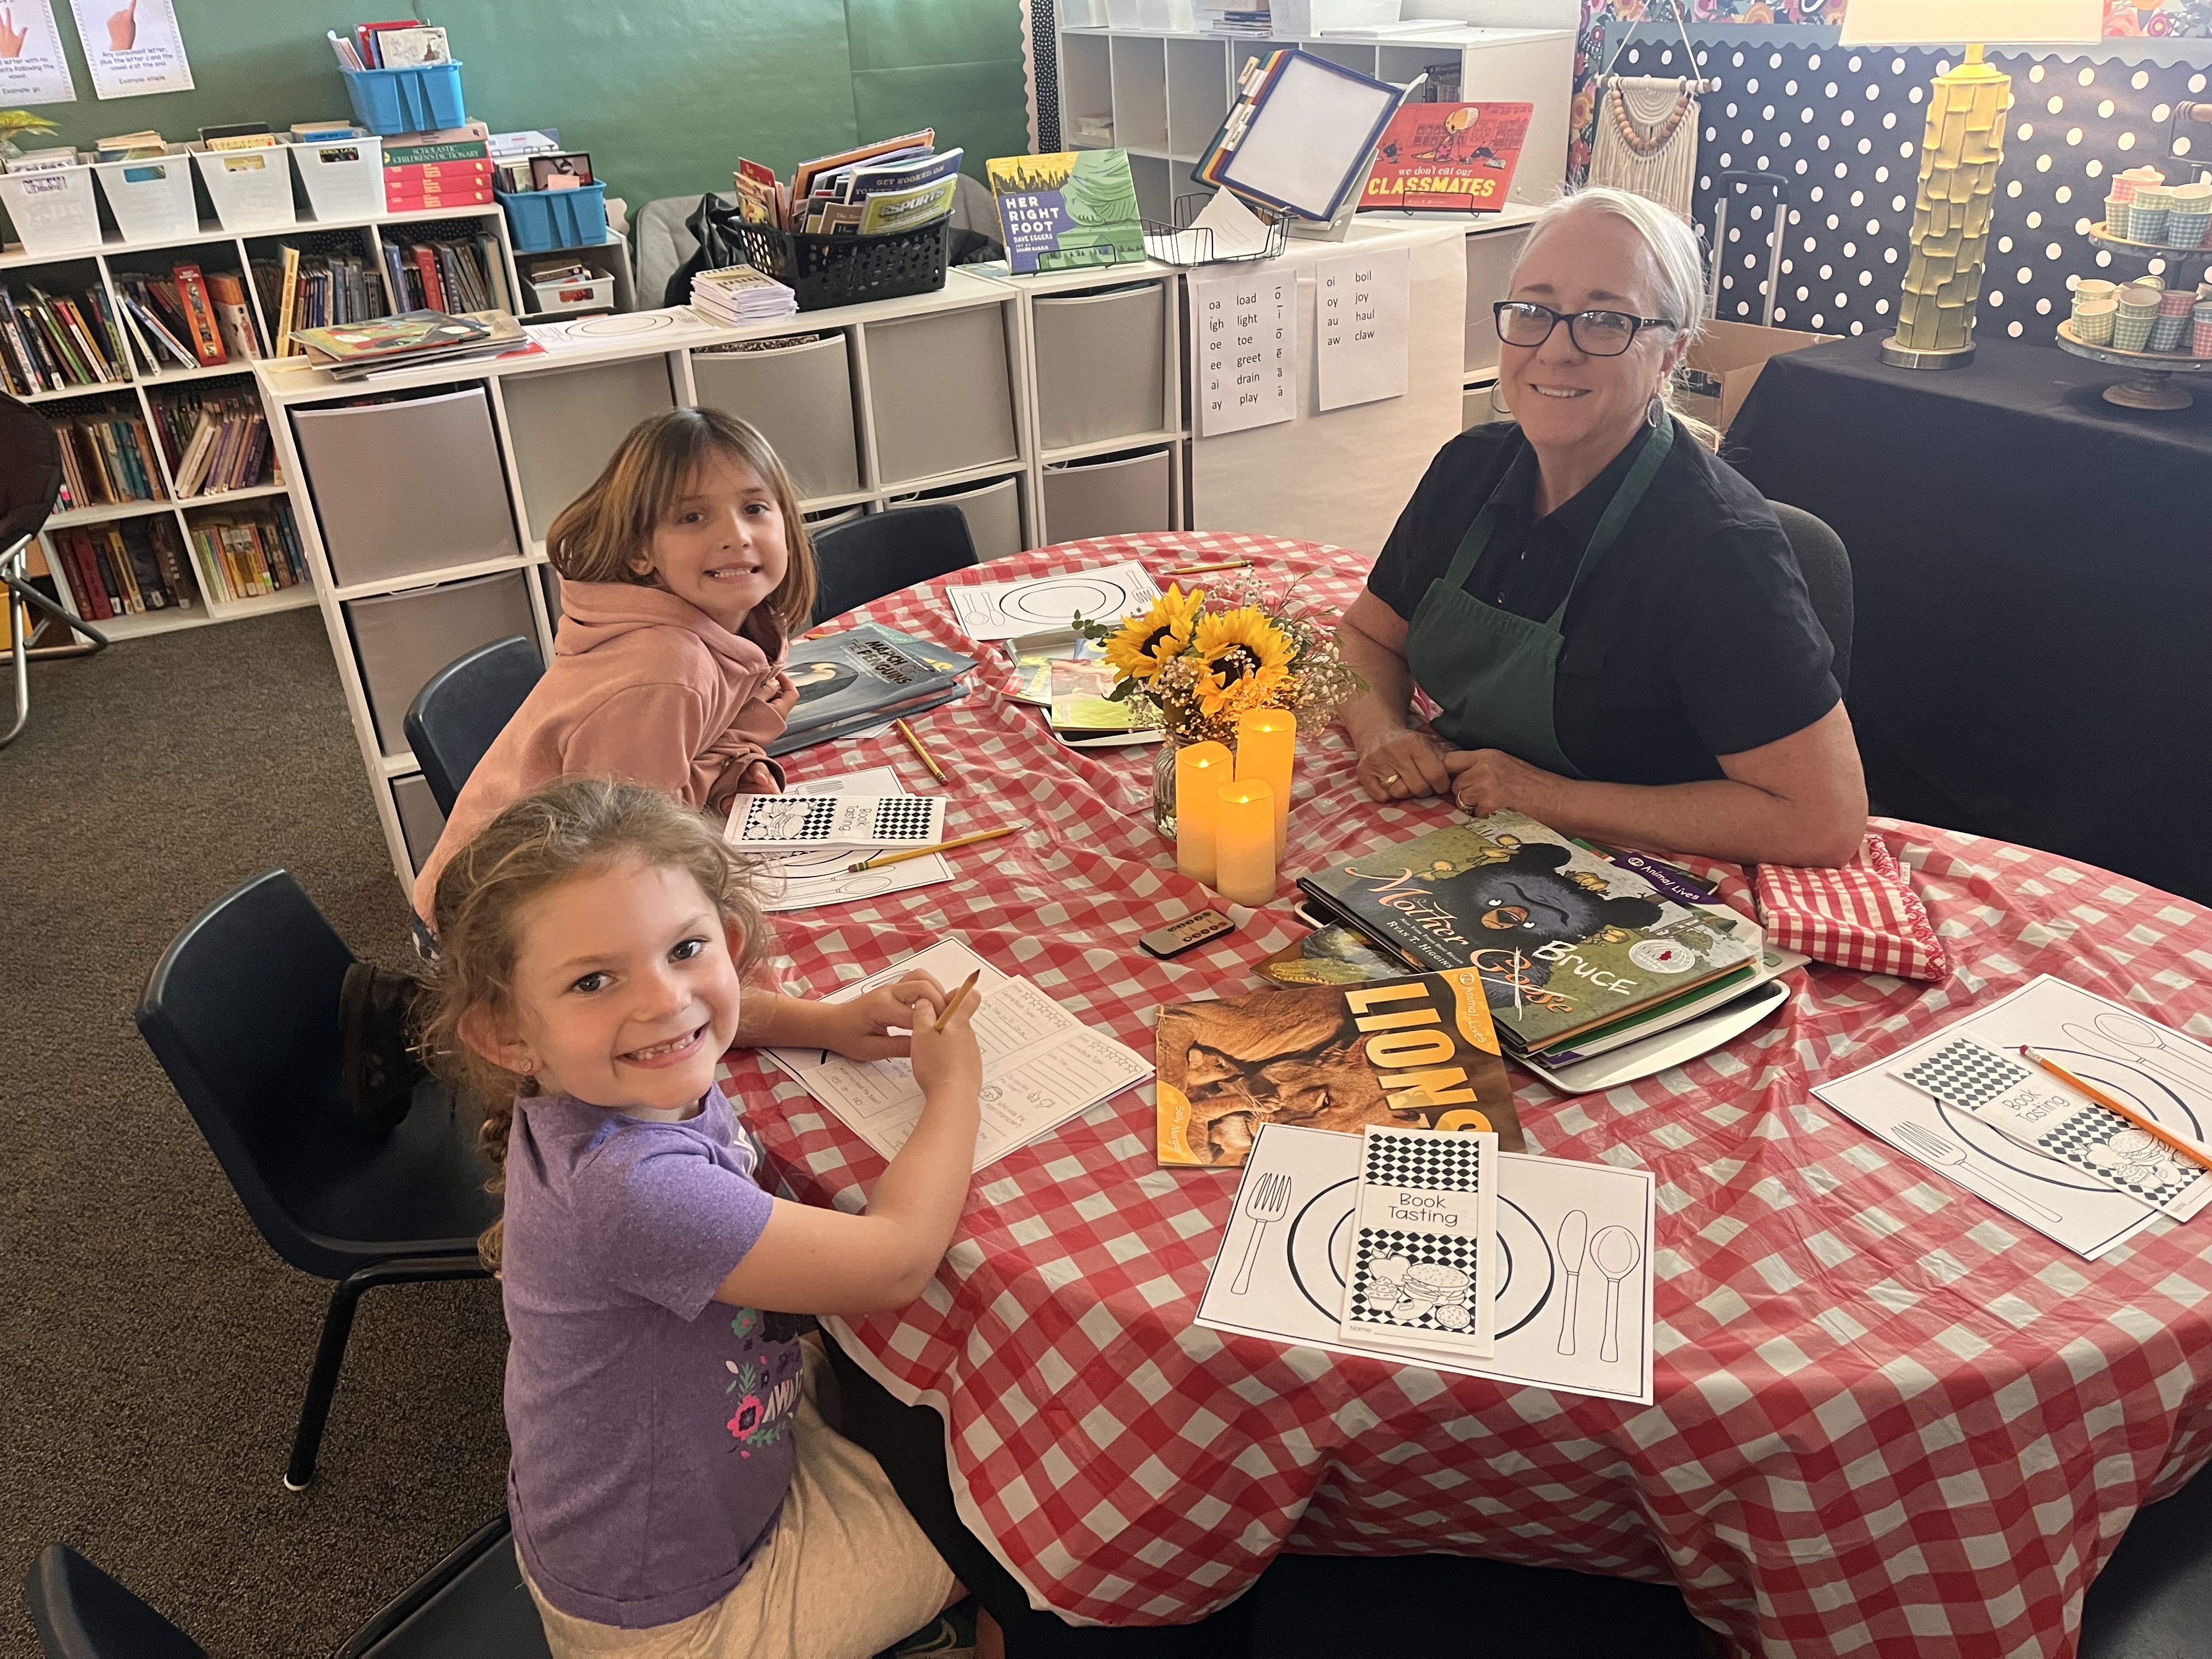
[[906, 852], [1201, 570], [959, 997], [920, 753], [2195, 1154]]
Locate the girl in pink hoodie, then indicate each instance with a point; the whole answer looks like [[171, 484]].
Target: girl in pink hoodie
[[684, 570]]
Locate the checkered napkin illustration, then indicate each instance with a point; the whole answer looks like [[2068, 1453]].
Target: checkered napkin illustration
[[1864, 915], [2038, 1113], [1425, 1236]]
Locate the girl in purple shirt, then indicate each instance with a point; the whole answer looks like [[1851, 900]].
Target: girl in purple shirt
[[673, 1488]]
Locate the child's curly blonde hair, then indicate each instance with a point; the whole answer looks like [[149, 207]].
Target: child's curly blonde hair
[[574, 828]]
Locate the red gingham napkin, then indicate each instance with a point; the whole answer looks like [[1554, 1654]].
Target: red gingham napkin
[[1864, 915]]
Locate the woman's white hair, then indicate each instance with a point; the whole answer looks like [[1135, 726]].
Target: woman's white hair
[[1675, 251]]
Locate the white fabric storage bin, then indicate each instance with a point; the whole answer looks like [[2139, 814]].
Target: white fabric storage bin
[[400, 640], [1115, 495], [151, 199], [420, 820], [992, 509], [943, 397], [565, 423], [54, 211], [801, 398], [343, 178], [1101, 365], [252, 189], [408, 486]]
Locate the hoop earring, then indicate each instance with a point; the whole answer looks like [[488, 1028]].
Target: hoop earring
[[1496, 407], [1654, 412]]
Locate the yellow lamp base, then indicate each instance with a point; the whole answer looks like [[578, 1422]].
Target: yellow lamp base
[[1961, 152], [1905, 356]]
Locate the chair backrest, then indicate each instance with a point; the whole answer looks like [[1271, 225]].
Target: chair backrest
[[30, 472], [80, 1612], [463, 707], [242, 1012], [1827, 571], [880, 553], [473, 1604]]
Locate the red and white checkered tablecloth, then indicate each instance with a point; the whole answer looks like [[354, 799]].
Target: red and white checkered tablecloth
[[1888, 1420]]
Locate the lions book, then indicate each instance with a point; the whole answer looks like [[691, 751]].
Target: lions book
[[1418, 1051], [1567, 943]]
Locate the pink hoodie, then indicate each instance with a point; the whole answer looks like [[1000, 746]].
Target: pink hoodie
[[645, 687]]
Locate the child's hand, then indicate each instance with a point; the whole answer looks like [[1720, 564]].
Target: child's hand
[[948, 1064], [871, 1027], [783, 695]]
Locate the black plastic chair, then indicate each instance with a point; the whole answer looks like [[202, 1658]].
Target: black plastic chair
[[30, 478], [1827, 571], [2154, 1598], [473, 1604], [880, 553], [242, 1012], [463, 707]]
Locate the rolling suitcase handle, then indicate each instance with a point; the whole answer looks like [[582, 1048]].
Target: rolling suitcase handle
[[1727, 184]]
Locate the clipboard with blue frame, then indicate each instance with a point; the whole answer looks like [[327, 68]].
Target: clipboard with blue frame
[[1266, 149]]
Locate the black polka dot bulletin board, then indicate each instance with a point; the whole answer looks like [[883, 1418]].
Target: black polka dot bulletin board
[[1843, 125]]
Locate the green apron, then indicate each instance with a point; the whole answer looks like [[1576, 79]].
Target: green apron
[[1490, 672]]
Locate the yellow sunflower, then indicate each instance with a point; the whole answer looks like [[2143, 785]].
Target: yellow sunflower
[[1245, 660], [1142, 646]]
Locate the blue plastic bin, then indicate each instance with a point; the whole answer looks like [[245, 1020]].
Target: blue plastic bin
[[539, 220], [421, 100]]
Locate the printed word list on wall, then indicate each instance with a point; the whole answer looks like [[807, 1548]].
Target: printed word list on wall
[[1244, 325], [1360, 306]]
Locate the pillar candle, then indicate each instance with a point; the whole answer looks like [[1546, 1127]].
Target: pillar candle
[[1266, 744], [1244, 842], [1200, 770]]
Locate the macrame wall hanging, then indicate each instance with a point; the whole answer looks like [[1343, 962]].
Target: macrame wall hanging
[[1647, 140]]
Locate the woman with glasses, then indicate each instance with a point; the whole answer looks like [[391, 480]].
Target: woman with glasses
[[1608, 618]]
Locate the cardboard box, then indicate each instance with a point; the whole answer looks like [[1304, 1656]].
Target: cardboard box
[[1724, 365]]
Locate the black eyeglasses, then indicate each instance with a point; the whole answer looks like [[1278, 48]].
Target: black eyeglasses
[[1596, 333]]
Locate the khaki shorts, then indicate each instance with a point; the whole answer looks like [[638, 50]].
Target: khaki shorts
[[845, 1574]]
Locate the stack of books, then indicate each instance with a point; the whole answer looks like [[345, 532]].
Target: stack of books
[[245, 556], [878, 190], [1247, 19], [172, 321], [48, 342], [428, 170], [408, 341], [737, 294], [108, 460], [215, 442], [314, 291], [864, 676], [124, 569]]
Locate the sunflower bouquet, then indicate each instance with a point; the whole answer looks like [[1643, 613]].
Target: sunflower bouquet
[[1194, 662]]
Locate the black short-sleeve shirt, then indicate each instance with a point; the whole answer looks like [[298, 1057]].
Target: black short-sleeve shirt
[[1692, 638]]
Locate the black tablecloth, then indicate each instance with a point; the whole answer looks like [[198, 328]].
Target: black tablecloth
[[2032, 570]]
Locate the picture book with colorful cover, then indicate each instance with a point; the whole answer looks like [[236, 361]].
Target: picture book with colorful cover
[[1455, 158], [1567, 942], [388, 338], [862, 669], [1067, 211], [1083, 705], [1418, 1051]]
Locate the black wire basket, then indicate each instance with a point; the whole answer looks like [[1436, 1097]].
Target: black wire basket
[[844, 271]]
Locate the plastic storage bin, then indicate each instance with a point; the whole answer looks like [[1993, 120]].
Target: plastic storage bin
[[539, 221], [54, 211], [252, 189], [1124, 494], [942, 398], [151, 199], [424, 99], [801, 398], [843, 270], [343, 178], [563, 424], [401, 639], [1101, 366], [576, 291], [992, 509]]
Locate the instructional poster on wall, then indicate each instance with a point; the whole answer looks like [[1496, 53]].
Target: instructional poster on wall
[[33, 69], [1243, 328], [133, 46], [1360, 336]]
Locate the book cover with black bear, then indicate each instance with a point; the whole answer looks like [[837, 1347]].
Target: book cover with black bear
[[1564, 940], [1413, 1053]]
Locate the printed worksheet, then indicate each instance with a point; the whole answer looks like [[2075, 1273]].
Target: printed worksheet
[[794, 823], [1042, 1066], [814, 880], [1045, 604], [1571, 1297]]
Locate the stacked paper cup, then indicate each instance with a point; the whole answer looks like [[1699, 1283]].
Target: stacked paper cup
[[2172, 327], [2200, 344], [2131, 322], [2124, 184], [2188, 216], [2093, 321], [2148, 214], [2116, 213]]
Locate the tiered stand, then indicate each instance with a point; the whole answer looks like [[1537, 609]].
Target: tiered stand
[[2152, 386]]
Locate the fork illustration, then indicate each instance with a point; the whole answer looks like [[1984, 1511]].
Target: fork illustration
[[1269, 1203], [1936, 1150]]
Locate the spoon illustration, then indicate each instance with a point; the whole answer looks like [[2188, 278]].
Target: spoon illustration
[[1574, 1238], [2147, 1039], [2096, 1042], [1616, 1253]]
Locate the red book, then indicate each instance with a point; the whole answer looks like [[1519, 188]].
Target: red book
[[426, 265], [91, 596], [1457, 158], [199, 316], [416, 201]]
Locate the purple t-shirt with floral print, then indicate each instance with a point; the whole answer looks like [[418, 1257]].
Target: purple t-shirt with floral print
[[651, 1426]]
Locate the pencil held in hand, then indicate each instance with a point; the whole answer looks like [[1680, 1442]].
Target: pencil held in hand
[[952, 1006]]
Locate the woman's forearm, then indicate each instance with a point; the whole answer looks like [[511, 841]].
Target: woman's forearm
[[1390, 695], [1719, 818]]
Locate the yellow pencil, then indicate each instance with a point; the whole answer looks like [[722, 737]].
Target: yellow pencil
[[2195, 1154], [1201, 570], [904, 854], [920, 753], [959, 997]]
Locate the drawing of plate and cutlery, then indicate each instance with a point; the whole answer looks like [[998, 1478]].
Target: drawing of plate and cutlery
[[2135, 1074]]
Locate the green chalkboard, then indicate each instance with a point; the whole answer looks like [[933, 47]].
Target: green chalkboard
[[665, 93]]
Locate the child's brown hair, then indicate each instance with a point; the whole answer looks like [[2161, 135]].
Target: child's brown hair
[[597, 535], [573, 828]]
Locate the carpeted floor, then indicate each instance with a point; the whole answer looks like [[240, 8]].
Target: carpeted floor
[[152, 1348]]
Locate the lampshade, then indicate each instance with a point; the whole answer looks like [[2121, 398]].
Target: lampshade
[[1944, 23]]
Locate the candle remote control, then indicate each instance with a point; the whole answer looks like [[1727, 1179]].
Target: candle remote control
[[1194, 929]]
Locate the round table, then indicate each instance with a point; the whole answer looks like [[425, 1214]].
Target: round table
[[1888, 1419]]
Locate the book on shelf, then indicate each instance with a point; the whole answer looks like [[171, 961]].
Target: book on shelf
[[173, 317], [215, 441], [317, 290], [1416, 1051], [323, 132], [247, 553], [1451, 157], [42, 161], [48, 343], [1579, 953], [199, 315], [234, 316], [1067, 211], [108, 460], [410, 47], [124, 568], [410, 340]]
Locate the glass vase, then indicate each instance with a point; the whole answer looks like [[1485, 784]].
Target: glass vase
[[1163, 786]]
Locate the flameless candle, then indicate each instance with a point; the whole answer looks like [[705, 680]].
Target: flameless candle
[[1200, 770], [1267, 743], [1244, 842]]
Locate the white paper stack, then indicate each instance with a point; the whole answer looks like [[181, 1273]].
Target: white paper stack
[[739, 295]]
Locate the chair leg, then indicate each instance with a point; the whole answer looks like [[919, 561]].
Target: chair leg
[[330, 1350], [20, 597]]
